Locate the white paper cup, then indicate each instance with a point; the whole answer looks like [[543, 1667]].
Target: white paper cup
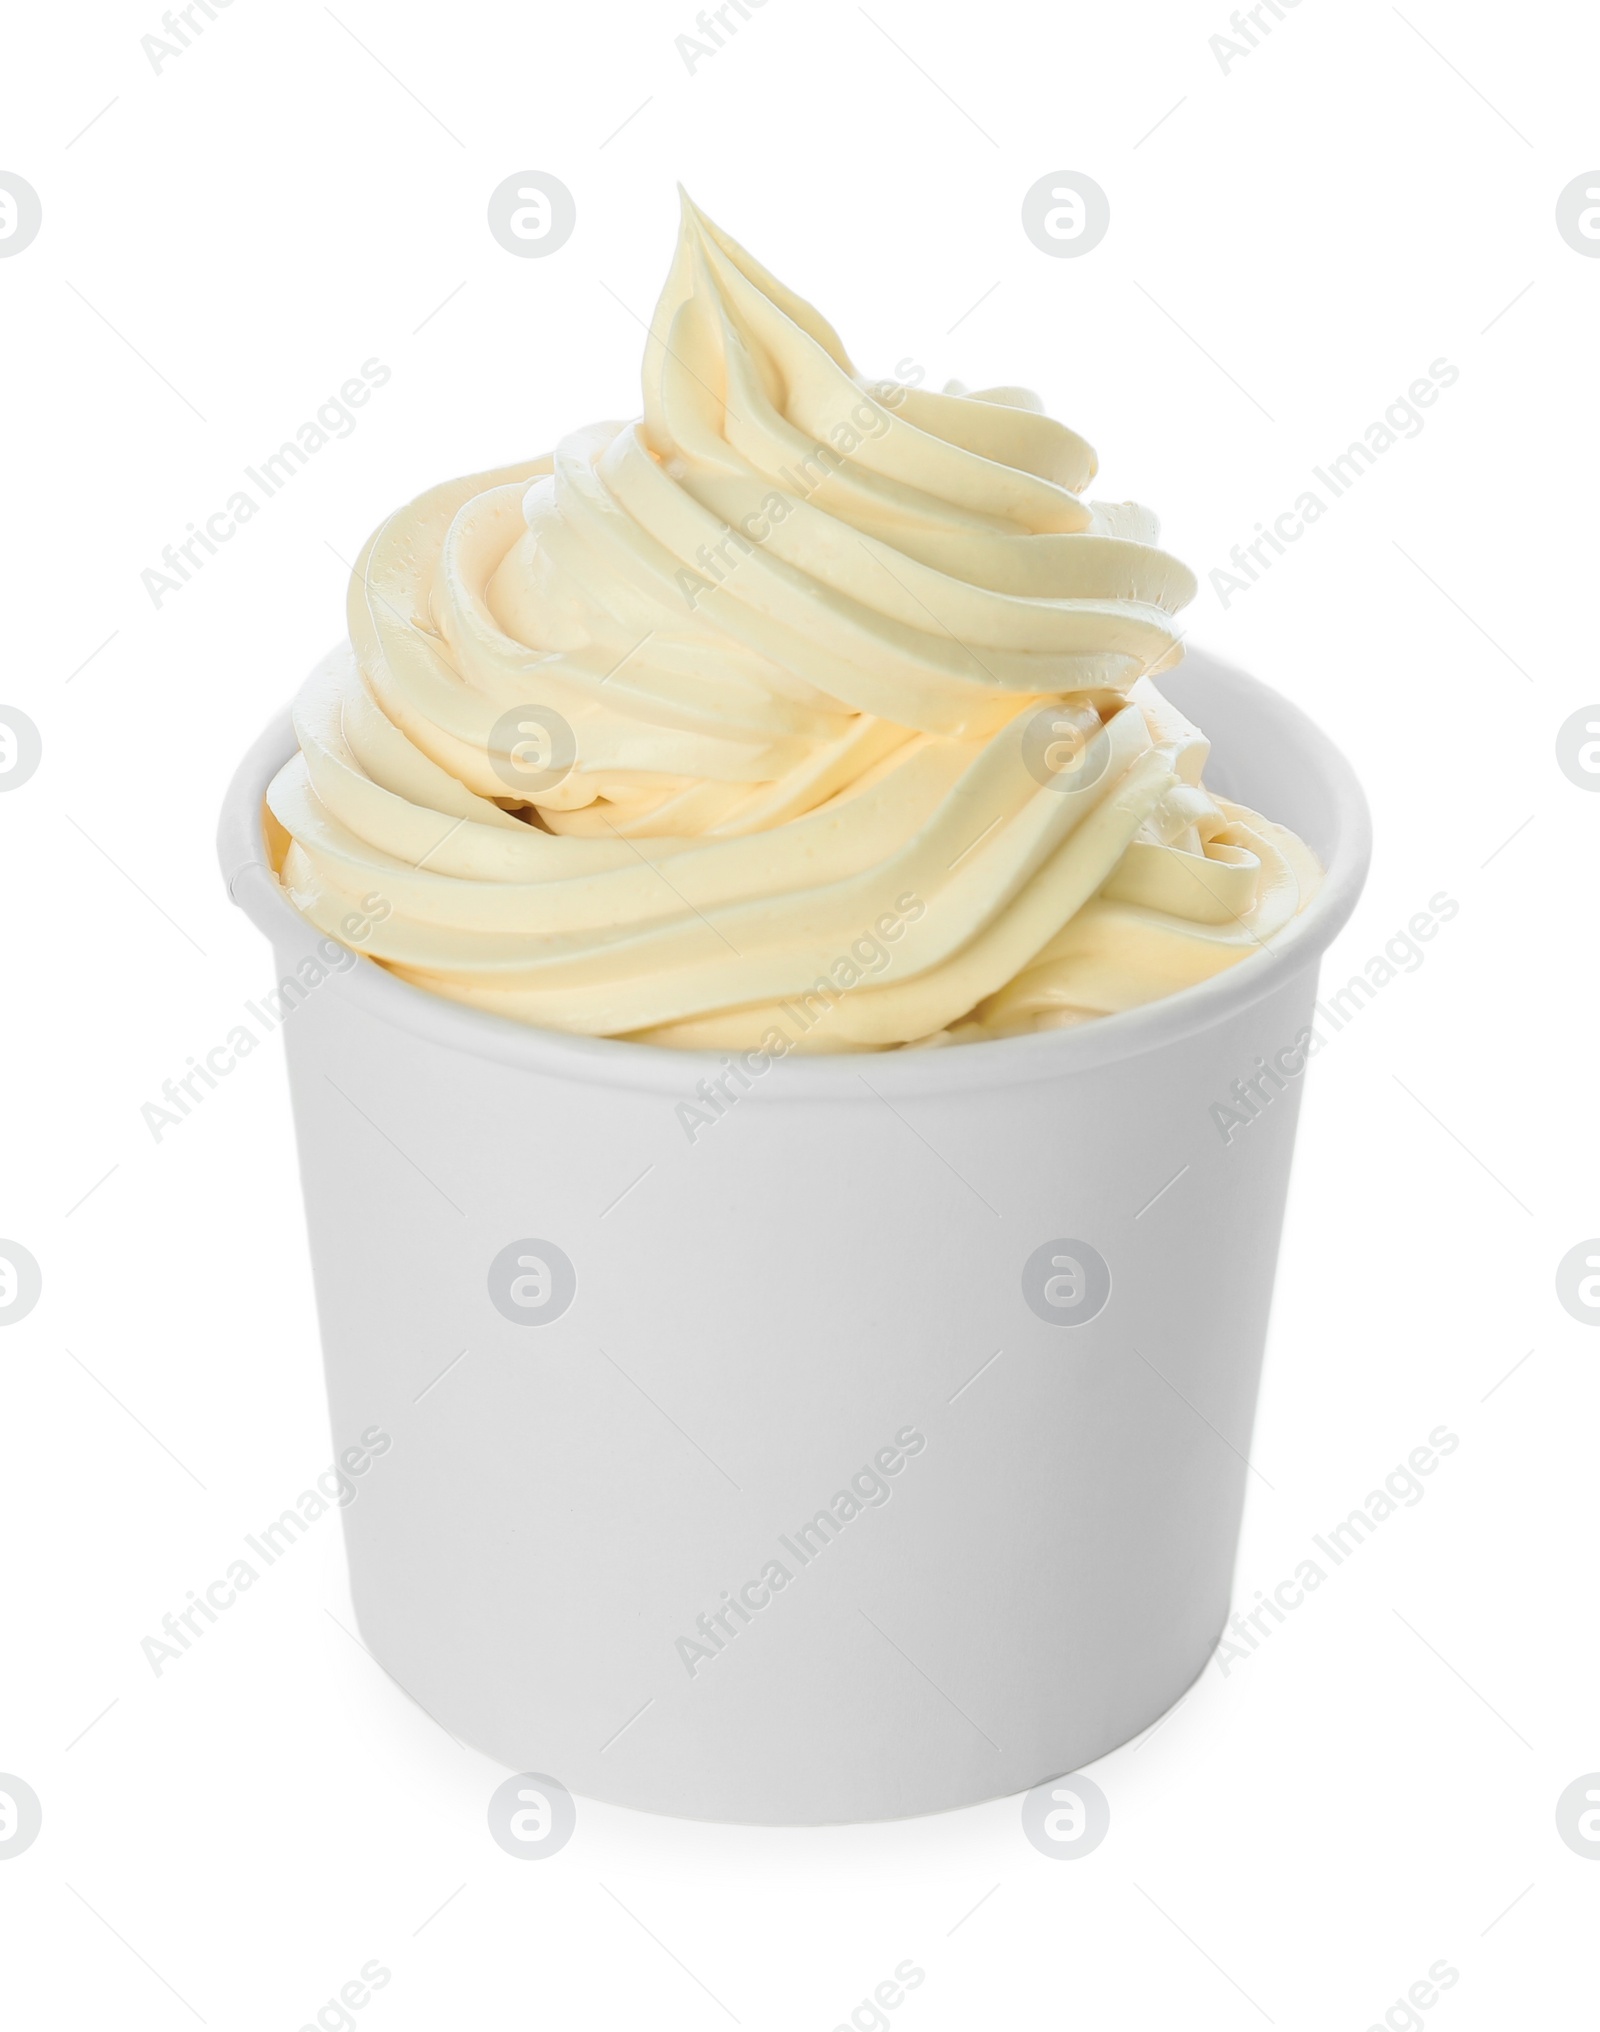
[[825, 1293]]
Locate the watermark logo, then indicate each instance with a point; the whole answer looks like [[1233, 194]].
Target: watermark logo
[[185, 1093], [1577, 1281], [1229, 50], [334, 418], [335, 1485], [21, 1816], [1577, 1815], [864, 421], [869, 956], [1401, 2015], [694, 51], [21, 213], [1066, 214], [1065, 747], [1250, 1096], [334, 2015], [21, 1282], [531, 1282], [532, 214], [1249, 1628], [1066, 1283], [1577, 748], [1577, 214], [531, 748], [869, 1489], [1402, 418], [888, 1996], [531, 1816], [1067, 1819], [161, 50], [20, 748]]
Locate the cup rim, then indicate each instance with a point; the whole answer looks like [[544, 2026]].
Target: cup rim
[[988, 1062]]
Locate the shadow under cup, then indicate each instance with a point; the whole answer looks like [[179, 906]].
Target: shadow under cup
[[878, 1448]]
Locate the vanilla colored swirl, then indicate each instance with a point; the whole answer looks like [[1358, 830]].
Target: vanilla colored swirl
[[804, 703]]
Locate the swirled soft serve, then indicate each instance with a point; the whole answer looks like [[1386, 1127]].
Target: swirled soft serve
[[800, 702]]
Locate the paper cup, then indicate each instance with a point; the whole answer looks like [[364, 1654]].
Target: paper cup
[[878, 1450]]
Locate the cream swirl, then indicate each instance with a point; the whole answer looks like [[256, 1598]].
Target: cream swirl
[[857, 693]]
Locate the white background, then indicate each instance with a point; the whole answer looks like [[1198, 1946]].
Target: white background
[[1291, 246]]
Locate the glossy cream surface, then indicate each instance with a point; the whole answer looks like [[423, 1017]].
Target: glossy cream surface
[[802, 707]]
